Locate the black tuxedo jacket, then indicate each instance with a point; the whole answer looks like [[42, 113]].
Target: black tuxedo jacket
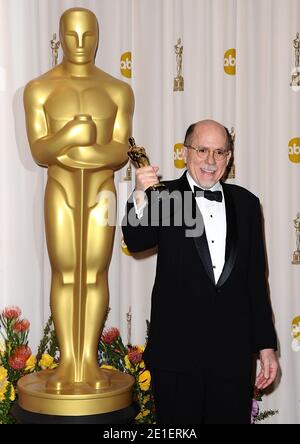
[[195, 321]]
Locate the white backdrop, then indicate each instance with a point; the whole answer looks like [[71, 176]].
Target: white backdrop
[[257, 101]]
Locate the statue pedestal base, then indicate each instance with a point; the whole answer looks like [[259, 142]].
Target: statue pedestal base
[[124, 416], [77, 403], [178, 84]]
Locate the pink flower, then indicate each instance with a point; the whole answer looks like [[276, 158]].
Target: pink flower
[[21, 326], [135, 355], [254, 410], [11, 312], [110, 335]]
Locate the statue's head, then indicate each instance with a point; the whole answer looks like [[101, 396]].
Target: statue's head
[[79, 34]]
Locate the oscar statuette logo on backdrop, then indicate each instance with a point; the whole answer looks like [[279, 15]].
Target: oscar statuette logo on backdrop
[[296, 254], [295, 74], [231, 173], [178, 84], [55, 44]]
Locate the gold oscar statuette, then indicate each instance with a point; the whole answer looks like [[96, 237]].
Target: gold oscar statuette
[[296, 44], [140, 159], [178, 80], [78, 120], [296, 254], [295, 76], [128, 318], [231, 173], [54, 49]]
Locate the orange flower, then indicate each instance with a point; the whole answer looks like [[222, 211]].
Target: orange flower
[[18, 359], [110, 335], [21, 326], [11, 312]]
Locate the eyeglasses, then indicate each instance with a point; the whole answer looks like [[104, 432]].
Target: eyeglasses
[[203, 153]]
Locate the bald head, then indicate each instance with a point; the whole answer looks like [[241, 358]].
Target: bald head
[[206, 126]]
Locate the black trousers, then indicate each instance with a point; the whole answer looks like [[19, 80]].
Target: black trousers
[[198, 398]]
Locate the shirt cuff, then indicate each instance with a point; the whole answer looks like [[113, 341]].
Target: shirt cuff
[[140, 202]]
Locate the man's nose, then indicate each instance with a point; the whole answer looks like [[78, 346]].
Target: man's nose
[[211, 158]]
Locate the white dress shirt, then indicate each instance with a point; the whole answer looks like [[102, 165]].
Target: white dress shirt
[[214, 218]]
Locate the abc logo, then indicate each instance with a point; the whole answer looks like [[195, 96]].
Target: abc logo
[[124, 248], [125, 64], [294, 150], [178, 155], [229, 61]]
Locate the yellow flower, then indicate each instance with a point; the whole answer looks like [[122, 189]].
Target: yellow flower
[[139, 416], [30, 363], [109, 367], [47, 361], [128, 363], [144, 380], [3, 388], [145, 412], [146, 399], [12, 393], [142, 364], [3, 373], [2, 346]]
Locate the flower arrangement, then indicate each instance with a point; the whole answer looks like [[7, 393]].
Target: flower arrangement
[[16, 360], [114, 354]]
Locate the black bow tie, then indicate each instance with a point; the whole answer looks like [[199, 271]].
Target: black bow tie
[[210, 195]]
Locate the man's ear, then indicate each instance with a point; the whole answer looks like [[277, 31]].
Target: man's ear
[[229, 157]]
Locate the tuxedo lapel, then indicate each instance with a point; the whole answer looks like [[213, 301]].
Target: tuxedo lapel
[[201, 241], [204, 254], [231, 237]]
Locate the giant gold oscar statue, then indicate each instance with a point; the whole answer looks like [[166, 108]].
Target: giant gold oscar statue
[[78, 120]]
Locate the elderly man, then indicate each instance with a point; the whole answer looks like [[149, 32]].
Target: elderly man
[[210, 308]]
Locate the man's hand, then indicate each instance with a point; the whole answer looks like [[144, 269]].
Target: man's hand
[[268, 368], [145, 177]]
